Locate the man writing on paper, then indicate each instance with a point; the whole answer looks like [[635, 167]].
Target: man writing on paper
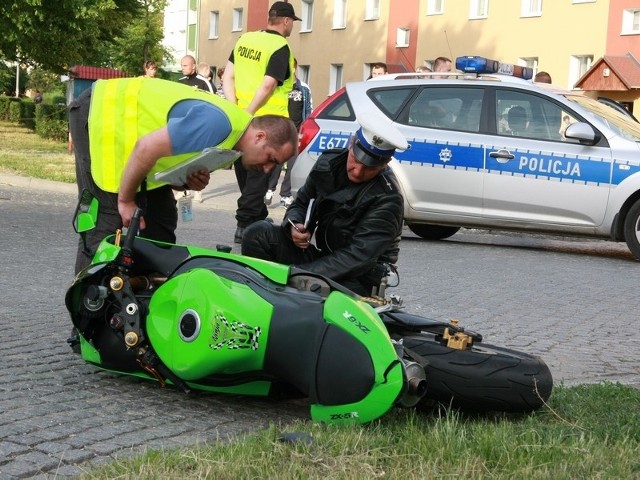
[[355, 218], [126, 130]]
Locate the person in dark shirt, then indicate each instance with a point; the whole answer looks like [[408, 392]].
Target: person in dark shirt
[[192, 77], [300, 106]]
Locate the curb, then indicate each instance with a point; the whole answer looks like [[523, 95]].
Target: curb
[[37, 183], [221, 194]]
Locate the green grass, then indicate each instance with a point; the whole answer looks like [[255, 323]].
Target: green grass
[[23, 152], [590, 431]]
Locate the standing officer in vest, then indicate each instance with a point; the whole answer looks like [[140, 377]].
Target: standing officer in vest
[[125, 130], [258, 77]]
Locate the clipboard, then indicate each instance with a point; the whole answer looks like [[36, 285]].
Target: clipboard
[[210, 158]]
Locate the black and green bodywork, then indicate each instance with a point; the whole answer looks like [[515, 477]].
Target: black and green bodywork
[[222, 322]]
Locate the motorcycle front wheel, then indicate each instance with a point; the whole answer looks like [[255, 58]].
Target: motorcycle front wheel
[[482, 378]]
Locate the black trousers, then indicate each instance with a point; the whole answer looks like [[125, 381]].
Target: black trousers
[[269, 242], [253, 186], [159, 205]]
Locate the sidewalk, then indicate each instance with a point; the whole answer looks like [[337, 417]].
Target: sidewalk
[[221, 194]]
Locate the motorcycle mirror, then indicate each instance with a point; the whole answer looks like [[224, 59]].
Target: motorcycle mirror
[[86, 214]]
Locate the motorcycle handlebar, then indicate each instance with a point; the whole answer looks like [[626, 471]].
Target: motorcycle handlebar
[[132, 231]]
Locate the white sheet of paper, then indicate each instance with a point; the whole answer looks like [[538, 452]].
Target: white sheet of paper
[[210, 158]]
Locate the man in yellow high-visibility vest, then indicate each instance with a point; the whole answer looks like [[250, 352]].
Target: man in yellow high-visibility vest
[[125, 130], [258, 77]]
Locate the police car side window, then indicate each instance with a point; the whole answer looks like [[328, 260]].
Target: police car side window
[[447, 108], [391, 100], [523, 115], [340, 109]]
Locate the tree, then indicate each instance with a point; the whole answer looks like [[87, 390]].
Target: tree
[[44, 81], [8, 79], [141, 40], [56, 34]]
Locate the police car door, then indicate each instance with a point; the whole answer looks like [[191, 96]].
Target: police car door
[[442, 172], [534, 174]]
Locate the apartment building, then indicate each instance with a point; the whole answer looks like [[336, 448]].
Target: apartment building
[[338, 40]]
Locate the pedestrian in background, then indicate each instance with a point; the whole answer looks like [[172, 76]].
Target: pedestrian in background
[[377, 69], [442, 64], [300, 107], [191, 76], [150, 69]]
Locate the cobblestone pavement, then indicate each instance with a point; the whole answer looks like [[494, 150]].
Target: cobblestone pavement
[[574, 302]]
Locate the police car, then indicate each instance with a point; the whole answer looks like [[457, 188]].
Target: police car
[[491, 149]]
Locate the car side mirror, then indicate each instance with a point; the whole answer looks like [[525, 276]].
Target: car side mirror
[[583, 133]]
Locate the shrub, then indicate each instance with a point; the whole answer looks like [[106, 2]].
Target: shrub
[[54, 129], [15, 111], [4, 107], [51, 121], [27, 114]]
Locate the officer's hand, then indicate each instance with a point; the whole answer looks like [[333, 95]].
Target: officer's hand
[[300, 236], [198, 180], [126, 210]]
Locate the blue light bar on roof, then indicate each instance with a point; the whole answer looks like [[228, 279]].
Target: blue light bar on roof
[[487, 65]]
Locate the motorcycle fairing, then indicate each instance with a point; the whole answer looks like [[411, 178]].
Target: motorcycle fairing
[[226, 323], [285, 336]]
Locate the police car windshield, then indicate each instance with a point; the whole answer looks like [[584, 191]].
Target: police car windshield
[[616, 121]]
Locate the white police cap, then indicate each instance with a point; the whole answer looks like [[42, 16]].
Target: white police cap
[[376, 140]]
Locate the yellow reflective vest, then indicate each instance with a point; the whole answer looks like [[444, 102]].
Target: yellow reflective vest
[[250, 59], [125, 109]]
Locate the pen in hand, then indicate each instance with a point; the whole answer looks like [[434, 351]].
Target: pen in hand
[[301, 240], [294, 226]]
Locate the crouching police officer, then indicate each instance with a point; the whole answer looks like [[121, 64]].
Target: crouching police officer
[[355, 208]]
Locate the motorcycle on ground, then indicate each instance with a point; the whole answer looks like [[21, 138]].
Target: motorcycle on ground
[[220, 322]]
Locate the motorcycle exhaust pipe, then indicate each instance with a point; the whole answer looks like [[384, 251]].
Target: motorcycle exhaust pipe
[[416, 384]]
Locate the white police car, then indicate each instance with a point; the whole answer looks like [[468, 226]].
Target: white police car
[[489, 150]]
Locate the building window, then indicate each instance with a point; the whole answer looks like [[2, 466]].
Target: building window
[[372, 10], [630, 22], [304, 73], [402, 37], [335, 78], [478, 9], [214, 19], [578, 66], [435, 7], [192, 34], [306, 14], [529, 62], [237, 20], [339, 13], [531, 8]]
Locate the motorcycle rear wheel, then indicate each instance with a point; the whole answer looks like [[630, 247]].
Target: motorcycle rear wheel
[[483, 378]]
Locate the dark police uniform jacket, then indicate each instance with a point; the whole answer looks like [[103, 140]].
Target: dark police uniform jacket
[[358, 225]]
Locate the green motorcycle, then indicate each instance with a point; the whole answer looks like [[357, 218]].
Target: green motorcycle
[[215, 321]]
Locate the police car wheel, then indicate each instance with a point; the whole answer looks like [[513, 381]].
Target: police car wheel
[[432, 232], [632, 229], [483, 378]]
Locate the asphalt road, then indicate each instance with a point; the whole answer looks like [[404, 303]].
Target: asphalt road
[[574, 302]]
